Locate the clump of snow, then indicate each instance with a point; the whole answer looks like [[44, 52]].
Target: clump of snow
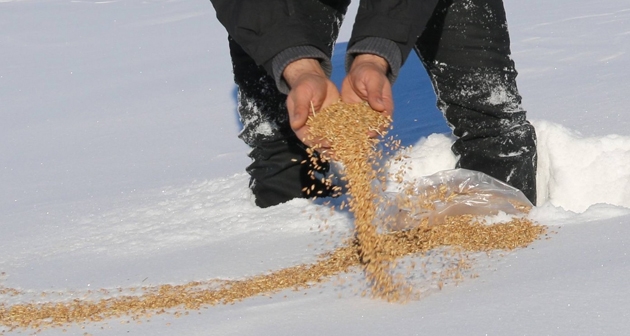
[[575, 172]]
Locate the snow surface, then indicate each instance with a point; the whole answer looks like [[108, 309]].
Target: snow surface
[[120, 167]]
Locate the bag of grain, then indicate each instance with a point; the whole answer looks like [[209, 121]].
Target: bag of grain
[[454, 192]]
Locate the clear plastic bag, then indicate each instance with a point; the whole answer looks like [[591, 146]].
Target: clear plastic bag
[[449, 193]]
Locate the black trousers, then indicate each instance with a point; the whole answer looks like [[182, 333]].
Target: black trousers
[[277, 172], [466, 50]]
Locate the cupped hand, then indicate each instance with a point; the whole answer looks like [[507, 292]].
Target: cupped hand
[[311, 90], [367, 81]]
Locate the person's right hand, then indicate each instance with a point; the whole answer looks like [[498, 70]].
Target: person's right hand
[[310, 90]]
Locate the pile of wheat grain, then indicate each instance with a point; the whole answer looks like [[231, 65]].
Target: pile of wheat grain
[[465, 232]]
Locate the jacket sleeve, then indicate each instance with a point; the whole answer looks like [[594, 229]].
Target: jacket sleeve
[[389, 28], [266, 28]]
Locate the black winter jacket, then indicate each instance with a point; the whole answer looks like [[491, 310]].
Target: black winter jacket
[[264, 28]]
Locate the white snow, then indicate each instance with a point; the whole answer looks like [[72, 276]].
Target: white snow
[[120, 166]]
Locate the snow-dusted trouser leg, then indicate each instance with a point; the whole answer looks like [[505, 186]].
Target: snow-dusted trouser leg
[[261, 107], [277, 174], [466, 50]]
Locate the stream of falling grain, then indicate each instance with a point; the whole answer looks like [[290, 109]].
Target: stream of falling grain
[[345, 127]]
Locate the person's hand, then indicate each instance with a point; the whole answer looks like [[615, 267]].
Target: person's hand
[[310, 91], [367, 81]]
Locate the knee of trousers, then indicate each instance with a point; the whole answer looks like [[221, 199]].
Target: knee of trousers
[[262, 109], [506, 153], [486, 91], [503, 144]]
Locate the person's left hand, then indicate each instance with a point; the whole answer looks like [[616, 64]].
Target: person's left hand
[[367, 81]]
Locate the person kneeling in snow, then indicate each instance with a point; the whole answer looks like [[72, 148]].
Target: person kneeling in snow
[[281, 52]]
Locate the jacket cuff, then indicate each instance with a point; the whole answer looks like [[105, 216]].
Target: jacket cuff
[[379, 46], [282, 59]]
